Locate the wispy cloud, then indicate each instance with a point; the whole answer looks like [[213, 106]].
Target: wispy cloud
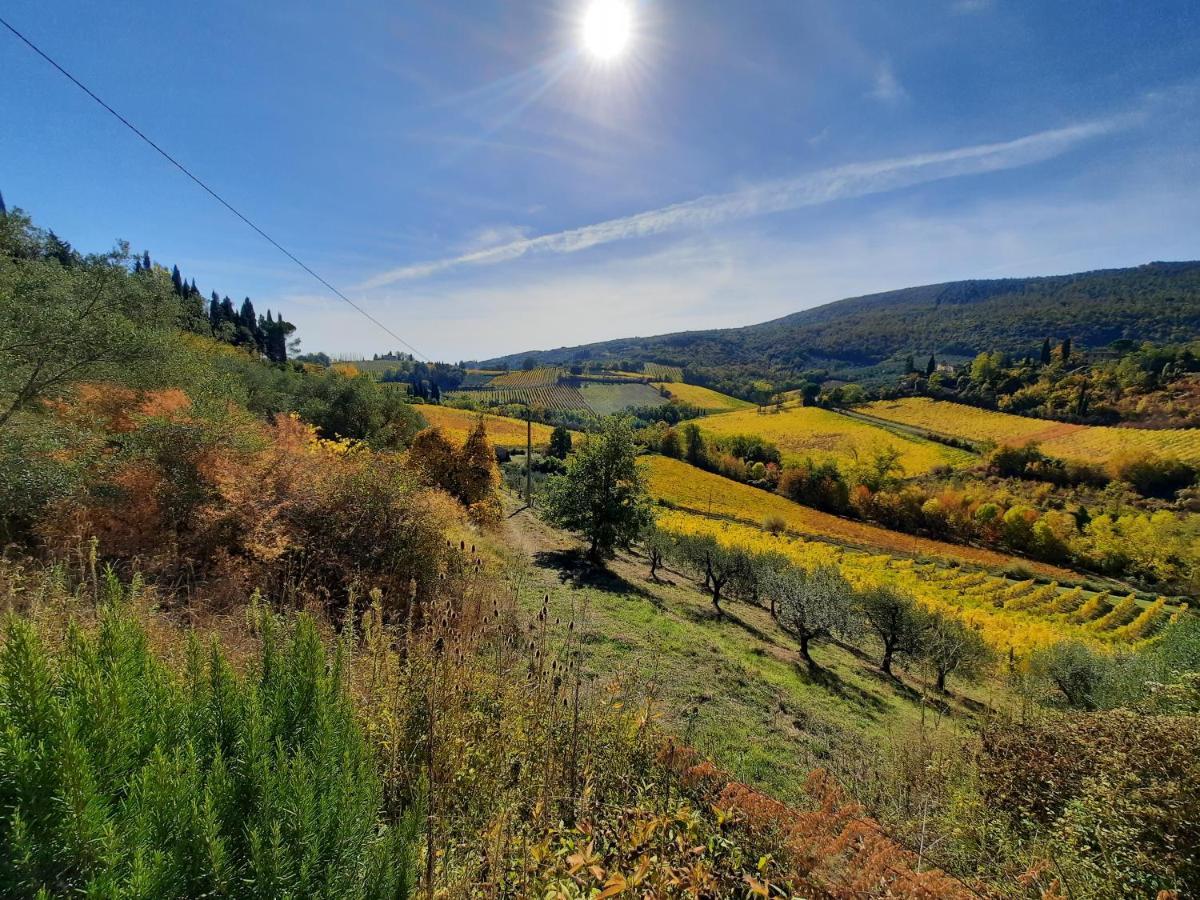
[[971, 6], [888, 88], [825, 186]]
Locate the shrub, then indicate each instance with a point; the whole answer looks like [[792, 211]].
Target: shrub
[[241, 506], [118, 779], [774, 524], [1153, 476], [1119, 793]]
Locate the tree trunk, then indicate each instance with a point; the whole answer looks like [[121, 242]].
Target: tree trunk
[[885, 664], [941, 682], [716, 597], [804, 654]]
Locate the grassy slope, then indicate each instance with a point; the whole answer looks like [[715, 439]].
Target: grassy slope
[[704, 398], [606, 399], [695, 490], [804, 431], [732, 688], [1084, 442], [503, 431]]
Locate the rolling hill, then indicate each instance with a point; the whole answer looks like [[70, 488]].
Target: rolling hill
[[1159, 301]]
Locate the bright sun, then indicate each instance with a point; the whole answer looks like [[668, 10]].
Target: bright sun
[[606, 27]]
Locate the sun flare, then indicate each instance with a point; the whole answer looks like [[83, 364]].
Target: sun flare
[[606, 28]]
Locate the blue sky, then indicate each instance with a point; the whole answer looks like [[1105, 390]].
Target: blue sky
[[481, 184]]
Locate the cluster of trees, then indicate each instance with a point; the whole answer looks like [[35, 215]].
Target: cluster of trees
[[265, 336], [1125, 382], [819, 604], [425, 380], [742, 457]]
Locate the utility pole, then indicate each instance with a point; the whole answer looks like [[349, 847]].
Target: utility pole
[[529, 457]]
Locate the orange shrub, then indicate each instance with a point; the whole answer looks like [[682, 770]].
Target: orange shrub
[[232, 504]]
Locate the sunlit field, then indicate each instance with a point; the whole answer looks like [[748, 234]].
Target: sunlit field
[[704, 398], [1088, 443], [503, 431], [703, 492], [802, 432]]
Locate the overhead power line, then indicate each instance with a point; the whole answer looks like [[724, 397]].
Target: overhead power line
[[212, 193]]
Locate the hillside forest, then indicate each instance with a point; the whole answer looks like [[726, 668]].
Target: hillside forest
[[653, 618]]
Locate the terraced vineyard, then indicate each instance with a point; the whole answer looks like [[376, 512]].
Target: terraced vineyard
[[503, 431], [806, 431], [546, 376], [689, 488], [1012, 616], [702, 397], [660, 372], [556, 397], [1088, 443]]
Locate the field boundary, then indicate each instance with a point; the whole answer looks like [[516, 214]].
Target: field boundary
[[926, 434]]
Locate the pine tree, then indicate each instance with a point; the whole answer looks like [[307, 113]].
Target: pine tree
[[1046, 352], [177, 280]]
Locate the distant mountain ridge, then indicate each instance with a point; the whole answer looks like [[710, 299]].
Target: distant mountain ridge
[[1159, 302]]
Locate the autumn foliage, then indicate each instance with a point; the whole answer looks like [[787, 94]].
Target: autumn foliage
[[189, 496]]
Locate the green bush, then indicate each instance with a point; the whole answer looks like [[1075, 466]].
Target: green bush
[[120, 779]]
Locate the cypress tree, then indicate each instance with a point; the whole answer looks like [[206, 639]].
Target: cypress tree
[[214, 312], [1066, 350], [1046, 352], [247, 317], [177, 280], [146, 261], [3, 208], [931, 366], [137, 266], [909, 365]]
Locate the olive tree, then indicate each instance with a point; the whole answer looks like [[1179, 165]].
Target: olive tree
[[811, 604], [948, 646], [895, 618]]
